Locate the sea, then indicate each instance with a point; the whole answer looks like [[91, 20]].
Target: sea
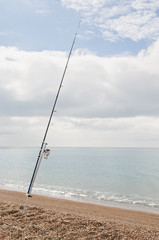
[[117, 177]]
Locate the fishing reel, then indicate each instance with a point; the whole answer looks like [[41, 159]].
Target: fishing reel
[[46, 153]]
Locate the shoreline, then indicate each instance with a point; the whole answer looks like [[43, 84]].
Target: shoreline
[[98, 212], [51, 218], [105, 203]]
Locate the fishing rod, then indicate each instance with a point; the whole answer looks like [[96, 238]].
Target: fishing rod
[[43, 151]]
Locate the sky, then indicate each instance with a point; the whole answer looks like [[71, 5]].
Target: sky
[[110, 94]]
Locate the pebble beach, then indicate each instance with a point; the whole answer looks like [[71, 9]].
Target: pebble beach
[[50, 218]]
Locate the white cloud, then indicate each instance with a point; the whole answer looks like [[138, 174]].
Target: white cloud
[[86, 35], [85, 5], [120, 19], [105, 101], [94, 86], [28, 75], [94, 132]]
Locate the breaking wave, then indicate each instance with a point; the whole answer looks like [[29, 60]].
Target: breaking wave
[[96, 197]]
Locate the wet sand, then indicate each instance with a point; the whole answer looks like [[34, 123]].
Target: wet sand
[[51, 218]]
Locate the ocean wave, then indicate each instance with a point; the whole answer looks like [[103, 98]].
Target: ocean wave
[[102, 198]]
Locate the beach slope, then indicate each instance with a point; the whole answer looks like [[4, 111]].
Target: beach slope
[[50, 218]]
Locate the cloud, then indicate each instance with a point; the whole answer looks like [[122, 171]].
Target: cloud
[[105, 101], [21, 131], [119, 86], [116, 20], [94, 132], [86, 35], [29, 75]]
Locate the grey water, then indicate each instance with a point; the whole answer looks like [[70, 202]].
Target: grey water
[[122, 177]]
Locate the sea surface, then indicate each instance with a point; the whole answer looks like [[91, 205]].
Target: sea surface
[[120, 177]]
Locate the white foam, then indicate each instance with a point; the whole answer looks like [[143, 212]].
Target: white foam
[[105, 198]]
